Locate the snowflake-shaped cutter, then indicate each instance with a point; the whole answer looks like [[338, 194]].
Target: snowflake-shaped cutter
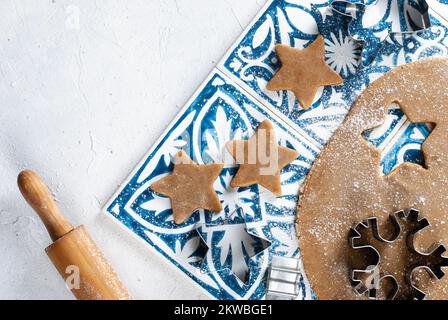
[[366, 235], [373, 23]]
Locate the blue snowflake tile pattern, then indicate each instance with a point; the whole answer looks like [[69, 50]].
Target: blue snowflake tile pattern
[[372, 23], [251, 217], [252, 61]]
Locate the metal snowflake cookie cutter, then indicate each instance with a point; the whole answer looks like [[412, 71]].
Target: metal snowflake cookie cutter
[[240, 266], [283, 276], [368, 280], [372, 24]]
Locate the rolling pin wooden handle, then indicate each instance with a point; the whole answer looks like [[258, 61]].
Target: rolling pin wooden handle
[[36, 193]]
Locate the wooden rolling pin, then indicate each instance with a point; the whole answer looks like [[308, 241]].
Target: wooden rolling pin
[[73, 252]]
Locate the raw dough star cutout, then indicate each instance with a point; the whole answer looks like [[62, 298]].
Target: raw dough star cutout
[[260, 159], [405, 145], [303, 71], [190, 187]]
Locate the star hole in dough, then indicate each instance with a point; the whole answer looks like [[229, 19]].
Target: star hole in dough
[[345, 187], [395, 137]]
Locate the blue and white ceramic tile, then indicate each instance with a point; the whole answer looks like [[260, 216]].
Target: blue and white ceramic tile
[[396, 138], [252, 60], [405, 147], [397, 50], [252, 219], [373, 22], [254, 225]]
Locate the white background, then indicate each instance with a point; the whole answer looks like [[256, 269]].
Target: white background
[[86, 87]]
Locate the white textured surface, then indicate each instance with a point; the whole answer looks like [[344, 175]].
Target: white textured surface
[[85, 88]]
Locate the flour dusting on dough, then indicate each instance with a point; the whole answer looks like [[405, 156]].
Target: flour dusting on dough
[[344, 186]]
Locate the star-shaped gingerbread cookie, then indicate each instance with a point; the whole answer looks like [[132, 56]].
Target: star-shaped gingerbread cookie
[[260, 159], [303, 71], [190, 187]]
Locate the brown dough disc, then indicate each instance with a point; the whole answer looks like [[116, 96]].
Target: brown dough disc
[[345, 186]]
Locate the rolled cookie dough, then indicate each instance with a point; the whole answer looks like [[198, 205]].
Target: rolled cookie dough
[[345, 186]]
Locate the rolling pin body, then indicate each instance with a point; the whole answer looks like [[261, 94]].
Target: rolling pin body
[[74, 253]]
